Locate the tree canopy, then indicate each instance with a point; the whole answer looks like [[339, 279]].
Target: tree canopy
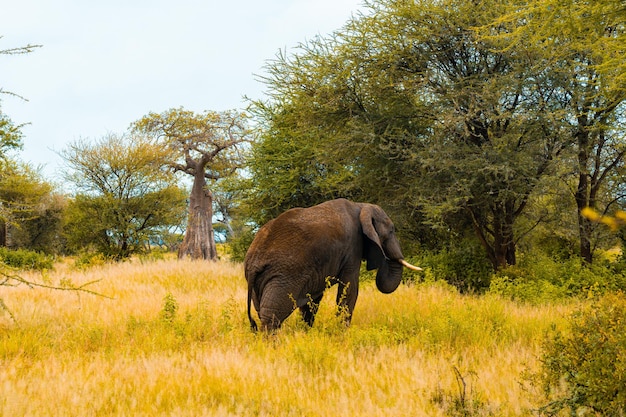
[[410, 105], [124, 198], [585, 61]]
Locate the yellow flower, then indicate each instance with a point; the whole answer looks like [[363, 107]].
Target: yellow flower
[[591, 214], [613, 222], [621, 216]]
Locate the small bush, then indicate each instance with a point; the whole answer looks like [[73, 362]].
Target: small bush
[[88, 258], [153, 255], [509, 284], [239, 244], [26, 259], [170, 308], [584, 369]]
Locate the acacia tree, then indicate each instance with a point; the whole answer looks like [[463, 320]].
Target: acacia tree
[[124, 199], [335, 124], [582, 44], [11, 206], [490, 143], [30, 211], [10, 139], [408, 107], [10, 135], [206, 146], [600, 150]]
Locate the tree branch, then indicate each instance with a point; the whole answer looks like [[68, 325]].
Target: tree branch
[[12, 280]]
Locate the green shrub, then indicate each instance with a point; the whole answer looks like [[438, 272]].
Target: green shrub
[[464, 265], [538, 278], [239, 244], [89, 258], [511, 284], [26, 259], [584, 369], [170, 308]]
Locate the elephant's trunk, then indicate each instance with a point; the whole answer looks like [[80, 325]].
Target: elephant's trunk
[[390, 274], [408, 265]]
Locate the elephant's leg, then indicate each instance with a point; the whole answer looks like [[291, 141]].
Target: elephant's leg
[[309, 309]]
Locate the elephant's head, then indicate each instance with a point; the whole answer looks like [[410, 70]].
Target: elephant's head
[[382, 248]]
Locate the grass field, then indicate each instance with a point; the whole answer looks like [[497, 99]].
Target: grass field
[[174, 340]]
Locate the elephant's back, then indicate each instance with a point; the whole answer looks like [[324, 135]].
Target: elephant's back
[[302, 235], [280, 233], [295, 229], [270, 241]]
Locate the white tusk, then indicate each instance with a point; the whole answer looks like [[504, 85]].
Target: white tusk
[[408, 265]]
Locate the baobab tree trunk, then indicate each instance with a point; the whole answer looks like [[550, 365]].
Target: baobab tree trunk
[[199, 242]]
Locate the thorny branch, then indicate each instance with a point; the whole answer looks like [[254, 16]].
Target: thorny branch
[[12, 280]]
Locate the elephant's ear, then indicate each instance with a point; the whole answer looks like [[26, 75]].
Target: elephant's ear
[[373, 250]]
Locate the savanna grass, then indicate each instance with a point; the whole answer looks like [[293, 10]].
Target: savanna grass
[[174, 340]]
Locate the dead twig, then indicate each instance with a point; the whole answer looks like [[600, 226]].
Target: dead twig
[[13, 280]]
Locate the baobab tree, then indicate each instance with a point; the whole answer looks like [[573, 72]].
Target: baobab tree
[[206, 146]]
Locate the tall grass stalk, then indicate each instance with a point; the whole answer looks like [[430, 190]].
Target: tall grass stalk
[[174, 340]]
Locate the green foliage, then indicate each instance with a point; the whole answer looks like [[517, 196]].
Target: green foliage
[[120, 165], [294, 162], [581, 42], [540, 278], [118, 228], [584, 369], [333, 124], [126, 201], [31, 212], [191, 139], [522, 289], [462, 265], [26, 259], [593, 29], [239, 244], [490, 145], [170, 307], [88, 258], [10, 135]]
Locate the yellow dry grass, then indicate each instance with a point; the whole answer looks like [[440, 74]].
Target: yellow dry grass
[[173, 340]]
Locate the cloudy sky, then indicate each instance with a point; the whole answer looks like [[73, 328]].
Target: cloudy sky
[[103, 65]]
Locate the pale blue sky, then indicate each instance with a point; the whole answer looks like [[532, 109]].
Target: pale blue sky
[[103, 65]]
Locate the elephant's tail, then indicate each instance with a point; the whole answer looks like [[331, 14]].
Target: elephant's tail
[[253, 324]]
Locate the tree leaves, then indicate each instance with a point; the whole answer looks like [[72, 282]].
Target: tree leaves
[[124, 200]]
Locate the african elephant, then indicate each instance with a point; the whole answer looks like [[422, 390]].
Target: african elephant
[[293, 256]]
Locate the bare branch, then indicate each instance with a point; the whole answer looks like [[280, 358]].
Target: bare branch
[[8, 278], [19, 50], [13, 280]]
